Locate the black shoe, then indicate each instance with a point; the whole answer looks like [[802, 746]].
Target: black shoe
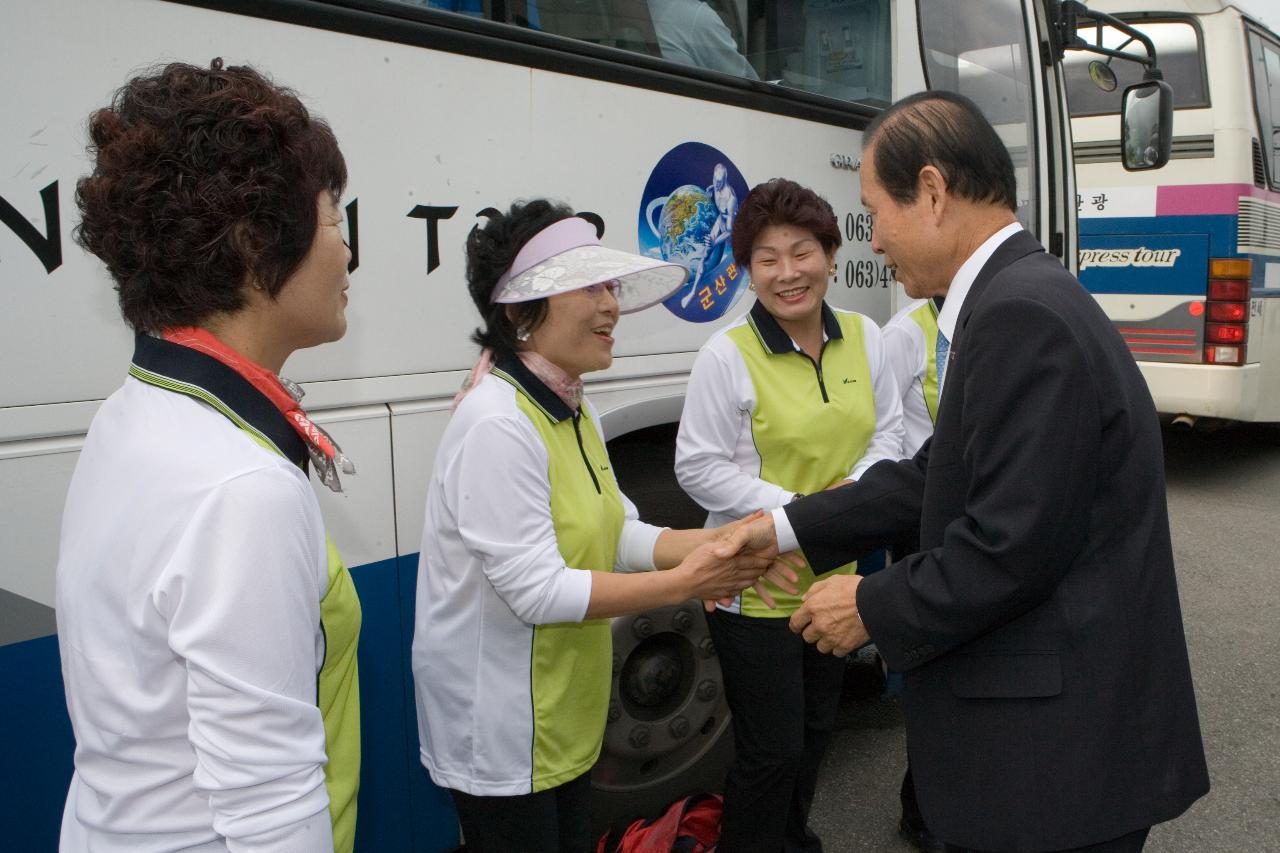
[[864, 675], [918, 835]]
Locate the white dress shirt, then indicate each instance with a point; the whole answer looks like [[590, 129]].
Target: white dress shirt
[[691, 33]]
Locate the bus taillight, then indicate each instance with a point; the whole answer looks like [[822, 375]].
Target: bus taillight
[[1222, 355], [1227, 311], [1224, 333], [1236, 290], [1230, 268]]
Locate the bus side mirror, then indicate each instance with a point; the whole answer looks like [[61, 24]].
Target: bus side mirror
[[1146, 125]]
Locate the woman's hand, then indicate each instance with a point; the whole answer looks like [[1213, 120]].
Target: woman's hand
[[749, 538], [712, 577], [674, 546], [726, 531]]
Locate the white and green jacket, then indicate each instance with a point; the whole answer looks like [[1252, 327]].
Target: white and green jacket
[[763, 422], [207, 627], [512, 685], [910, 345]]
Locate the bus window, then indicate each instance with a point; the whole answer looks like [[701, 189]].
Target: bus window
[[1178, 50], [692, 33], [984, 57], [1265, 58], [836, 48], [624, 24]]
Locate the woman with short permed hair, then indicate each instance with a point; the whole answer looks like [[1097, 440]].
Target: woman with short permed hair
[[792, 398], [207, 626]]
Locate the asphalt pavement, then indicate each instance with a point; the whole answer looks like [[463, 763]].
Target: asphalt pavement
[[1224, 509]]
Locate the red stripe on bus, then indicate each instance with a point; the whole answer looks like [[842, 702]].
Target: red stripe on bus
[[1158, 350], [1154, 342], [1182, 332]]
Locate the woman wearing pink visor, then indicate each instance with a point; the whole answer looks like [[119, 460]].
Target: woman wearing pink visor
[[529, 547]]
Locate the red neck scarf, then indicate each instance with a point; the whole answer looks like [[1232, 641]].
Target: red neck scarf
[[325, 453]]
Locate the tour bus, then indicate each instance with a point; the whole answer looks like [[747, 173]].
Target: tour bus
[[1186, 260], [445, 108]]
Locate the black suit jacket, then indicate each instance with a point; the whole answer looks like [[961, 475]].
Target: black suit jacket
[[1048, 694]]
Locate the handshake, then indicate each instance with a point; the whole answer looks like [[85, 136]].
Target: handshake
[[745, 554]]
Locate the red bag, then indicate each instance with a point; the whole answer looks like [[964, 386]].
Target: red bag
[[690, 825]]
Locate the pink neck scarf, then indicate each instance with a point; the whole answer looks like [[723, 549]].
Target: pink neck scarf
[[565, 386]]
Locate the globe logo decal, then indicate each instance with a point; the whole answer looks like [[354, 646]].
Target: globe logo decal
[[686, 217]]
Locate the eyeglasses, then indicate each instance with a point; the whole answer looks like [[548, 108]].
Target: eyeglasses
[[614, 287]]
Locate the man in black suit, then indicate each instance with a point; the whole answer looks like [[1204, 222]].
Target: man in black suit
[[1048, 696]]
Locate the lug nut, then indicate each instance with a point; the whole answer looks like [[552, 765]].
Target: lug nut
[[642, 627], [615, 713], [708, 690], [679, 727], [639, 737], [682, 621], [708, 648]]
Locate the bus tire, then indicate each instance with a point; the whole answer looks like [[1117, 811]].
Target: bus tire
[[669, 734]]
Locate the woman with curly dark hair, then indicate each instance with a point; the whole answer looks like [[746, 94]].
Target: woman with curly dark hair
[[207, 626], [794, 397], [527, 538]]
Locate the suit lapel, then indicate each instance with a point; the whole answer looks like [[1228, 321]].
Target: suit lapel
[[1018, 246], [1015, 248]]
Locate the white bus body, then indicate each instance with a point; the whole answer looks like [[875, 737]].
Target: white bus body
[[441, 115], [1186, 260]]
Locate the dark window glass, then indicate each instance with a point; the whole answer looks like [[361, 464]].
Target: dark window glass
[[1266, 85], [837, 48], [984, 57], [1178, 55]]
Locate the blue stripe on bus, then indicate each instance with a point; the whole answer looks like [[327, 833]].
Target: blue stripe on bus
[[35, 745], [434, 820], [1221, 228], [1195, 238], [399, 807]]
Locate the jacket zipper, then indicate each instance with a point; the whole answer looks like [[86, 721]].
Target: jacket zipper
[[577, 431], [817, 368]]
